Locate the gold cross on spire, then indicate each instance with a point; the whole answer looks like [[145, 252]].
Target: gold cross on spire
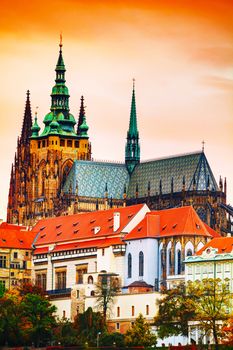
[[60, 40]]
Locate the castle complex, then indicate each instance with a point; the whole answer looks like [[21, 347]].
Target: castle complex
[[54, 174]]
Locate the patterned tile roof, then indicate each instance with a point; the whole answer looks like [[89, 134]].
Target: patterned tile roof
[[91, 178], [190, 166]]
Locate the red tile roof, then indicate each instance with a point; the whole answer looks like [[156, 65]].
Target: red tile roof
[[96, 243], [148, 228], [81, 226], [222, 244], [171, 222], [13, 236], [43, 250]]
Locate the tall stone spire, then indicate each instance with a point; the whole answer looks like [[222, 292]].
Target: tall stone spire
[[27, 122], [132, 149]]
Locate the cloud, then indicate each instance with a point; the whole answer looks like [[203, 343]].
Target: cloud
[[220, 83], [217, 56]]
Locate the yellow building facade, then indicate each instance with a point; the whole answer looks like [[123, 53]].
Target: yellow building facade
[[15, 255]]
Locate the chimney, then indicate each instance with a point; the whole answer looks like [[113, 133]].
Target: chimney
[[116, 221]]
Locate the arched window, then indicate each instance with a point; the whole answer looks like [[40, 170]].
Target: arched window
[[169, 261], [141, 264], [90, 280], [178, 254], [129, 265], [189, 252], [92, 293]]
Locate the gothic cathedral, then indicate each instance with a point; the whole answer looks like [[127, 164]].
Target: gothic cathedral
[[54, 173]]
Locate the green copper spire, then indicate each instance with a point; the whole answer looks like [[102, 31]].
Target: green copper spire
[[132, 149], [59, 120], [133, 130], [35, 127], [60, 93]]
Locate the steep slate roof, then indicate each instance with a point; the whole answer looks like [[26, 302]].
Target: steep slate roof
[[12, 236], [81, 226], [91, 178], [222, 244], [171, 222], [192, 165]]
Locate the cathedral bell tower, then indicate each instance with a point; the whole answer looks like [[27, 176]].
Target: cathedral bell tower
[[132, 148], [49, 155]]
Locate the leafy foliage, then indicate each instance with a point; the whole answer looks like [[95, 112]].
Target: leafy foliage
[[139, 334], [228, 332], [25, 317], [110, 339], [65, 333], [212, 302], [176, 308], [39, 317], [11, 332], [205, 301], [88, 325]]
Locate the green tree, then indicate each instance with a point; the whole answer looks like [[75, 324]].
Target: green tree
[[105, 291], [2, 289], [65, 333], [39, 318], [11, 332], [207, 302], [176, 308], [212, 303], [88, 325], [110, 339], [140, 334]]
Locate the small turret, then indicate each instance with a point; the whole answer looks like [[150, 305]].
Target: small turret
[[172, 185], [183, 184], [35, 128], [220, 184], [82, 127], [160, 187], [225, 185], [148, 189]]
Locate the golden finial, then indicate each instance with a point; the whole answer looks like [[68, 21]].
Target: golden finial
[[133, 83], [203, 146], [60, 40], [36, 111]]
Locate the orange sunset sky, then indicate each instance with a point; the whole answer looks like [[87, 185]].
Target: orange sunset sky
[[179, 52]]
